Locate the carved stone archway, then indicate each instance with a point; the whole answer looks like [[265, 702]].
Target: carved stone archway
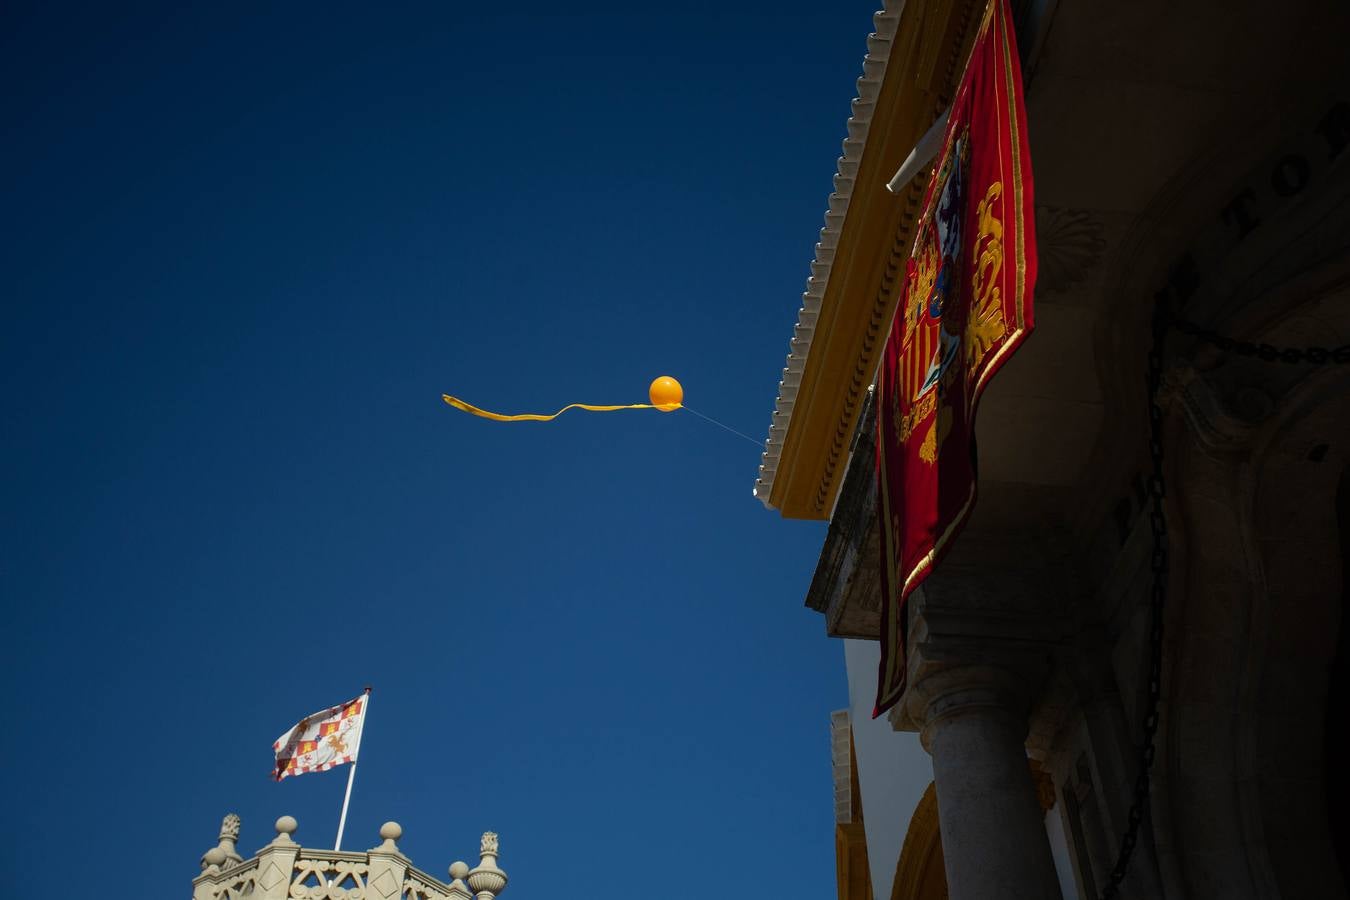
[[920, 873], [1253, 627]]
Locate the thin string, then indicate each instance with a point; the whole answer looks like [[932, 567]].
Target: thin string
[[720, 425]]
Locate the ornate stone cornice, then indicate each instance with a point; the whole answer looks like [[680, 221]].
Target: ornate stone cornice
[[846, 586]]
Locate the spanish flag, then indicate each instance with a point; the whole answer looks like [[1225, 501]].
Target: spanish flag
[[965, 307]]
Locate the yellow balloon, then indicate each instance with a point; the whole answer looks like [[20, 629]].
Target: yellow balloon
[[666, 394]]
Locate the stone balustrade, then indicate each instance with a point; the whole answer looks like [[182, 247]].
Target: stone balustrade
[[284, 870]]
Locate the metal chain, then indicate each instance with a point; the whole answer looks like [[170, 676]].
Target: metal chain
[[1157, 492], [1315, 355]]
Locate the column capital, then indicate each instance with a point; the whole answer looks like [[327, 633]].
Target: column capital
[[993, 838], [967, 649], [950, 692]]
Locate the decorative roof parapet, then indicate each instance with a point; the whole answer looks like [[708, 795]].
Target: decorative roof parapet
[[841, 760], [283, 870], [885, 20]]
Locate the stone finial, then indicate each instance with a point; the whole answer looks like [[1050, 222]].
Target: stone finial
[[391, 832], [285, 827], [224, 852], [486, 879], [229, 836], [229, 828], [212, 860], [458, 871]]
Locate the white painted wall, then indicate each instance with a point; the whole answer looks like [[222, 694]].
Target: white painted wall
[[893, 772], [893, 769], [1059, 850]]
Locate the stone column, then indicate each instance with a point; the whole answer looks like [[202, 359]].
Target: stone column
[[993, 832]]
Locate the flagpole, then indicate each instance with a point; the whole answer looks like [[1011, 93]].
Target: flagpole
[[351, 774]]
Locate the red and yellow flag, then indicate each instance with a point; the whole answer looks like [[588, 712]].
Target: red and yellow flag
[[965, 307]]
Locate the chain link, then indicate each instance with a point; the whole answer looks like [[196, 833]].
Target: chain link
[[1316, 356], [1157, 493], [1157, 519]]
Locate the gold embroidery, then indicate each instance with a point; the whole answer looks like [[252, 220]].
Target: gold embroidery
[[937, 433], [905, 425], [928, 449], [986, 324], [925, 274]]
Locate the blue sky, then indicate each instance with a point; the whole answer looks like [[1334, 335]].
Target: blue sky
[[246, 249]]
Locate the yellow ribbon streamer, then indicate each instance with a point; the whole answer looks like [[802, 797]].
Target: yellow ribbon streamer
[[498, 417]]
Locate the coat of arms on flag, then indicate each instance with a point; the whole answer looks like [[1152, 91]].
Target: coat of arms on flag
[[965, 306], [321, 741]]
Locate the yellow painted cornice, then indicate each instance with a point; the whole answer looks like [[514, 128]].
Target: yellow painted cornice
[[859, 298]]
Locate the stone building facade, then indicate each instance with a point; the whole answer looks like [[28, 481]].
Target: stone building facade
[[1195, 155]]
